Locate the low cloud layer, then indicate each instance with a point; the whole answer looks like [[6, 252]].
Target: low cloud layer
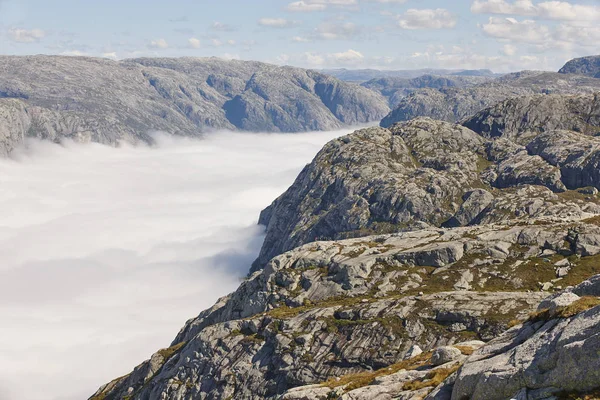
[[107, 252]]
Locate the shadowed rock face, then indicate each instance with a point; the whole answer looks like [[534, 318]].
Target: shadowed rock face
[[87, 99], [589, 66], [456, 104]]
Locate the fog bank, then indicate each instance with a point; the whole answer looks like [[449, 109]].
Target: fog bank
[[105, 253]]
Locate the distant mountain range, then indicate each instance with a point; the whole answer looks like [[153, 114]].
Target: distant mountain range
[[90, 99], [99, 100], [363, 75]]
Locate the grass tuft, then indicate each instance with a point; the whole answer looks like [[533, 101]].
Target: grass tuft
[[432, 379], [577, 307], [361, 379]]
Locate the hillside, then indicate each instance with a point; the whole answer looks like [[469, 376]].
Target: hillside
[[98, 100], [589, 66], [427, 260], [455, 104], [395, 88]]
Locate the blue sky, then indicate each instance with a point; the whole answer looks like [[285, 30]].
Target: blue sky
[[502, 35]]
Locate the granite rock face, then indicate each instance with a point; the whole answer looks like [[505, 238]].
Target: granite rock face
[[432, 173], [522, 118], [340, 309], [542, 358], [430, 260], [88, 99], [456, 104], [589, 66]]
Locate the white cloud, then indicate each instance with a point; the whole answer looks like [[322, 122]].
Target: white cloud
[[303, 6], [276, 22], [564, 36], [26, 36], [388, 1], [349, 57], [159, 44], [336, 31], [300, 39], [555, 10], [314, 60], [194, 43], [106, 261], [220, 26], [427, 19], [509, 50], [457, 57], [519, 31], [519, 7], [318, 5], [577, 36]]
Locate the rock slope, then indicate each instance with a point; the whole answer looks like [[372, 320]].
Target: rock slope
[[399, 260], [425, 172], [396, 88], [88, 99], [339, 309], [456, 104], [589, 66]]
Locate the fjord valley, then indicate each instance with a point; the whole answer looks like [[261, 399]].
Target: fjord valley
[[299, 200], [426, 259]]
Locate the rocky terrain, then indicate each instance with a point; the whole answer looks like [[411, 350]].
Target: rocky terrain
[[364, 75], [99, 100], [454, 104], [430, 260], [426, 172], [589, 66], [396, 88]]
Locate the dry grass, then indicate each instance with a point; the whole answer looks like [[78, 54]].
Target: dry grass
[[168, 353], [591, 395], [284, 311], [432, 379], [514, 322], [593, 220], [577, 307], [466, 350], [361, 379]]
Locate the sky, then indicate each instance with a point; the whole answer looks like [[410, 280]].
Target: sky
[[107, 252], [502, 35]]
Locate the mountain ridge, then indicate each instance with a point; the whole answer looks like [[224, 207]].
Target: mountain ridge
[[105, 101]]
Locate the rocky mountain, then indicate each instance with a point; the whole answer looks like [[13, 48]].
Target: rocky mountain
[[364, 75], [395, 88], [99, 100], [589, 66], [429, 260], [455, 104], [423, 171]]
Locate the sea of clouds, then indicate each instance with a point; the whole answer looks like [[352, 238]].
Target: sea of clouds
[[105, 253]]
